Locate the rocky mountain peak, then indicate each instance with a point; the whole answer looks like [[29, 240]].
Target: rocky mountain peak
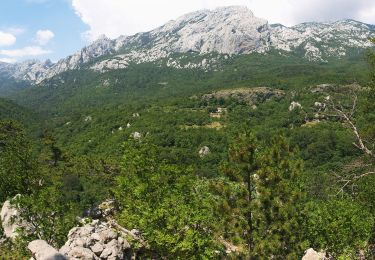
[[226, 30], [230, 30]]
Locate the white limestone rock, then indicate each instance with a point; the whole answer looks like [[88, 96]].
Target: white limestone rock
[[11, 220], [295, 105], [228, 31], [41, 250], [311, 254], [96, 240], [136, 135], [204, 151]]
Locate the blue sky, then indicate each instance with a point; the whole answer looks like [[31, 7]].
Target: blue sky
[[24, 18], [53, 29]]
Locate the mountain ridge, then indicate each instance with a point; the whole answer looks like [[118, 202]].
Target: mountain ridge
[[229, 30]]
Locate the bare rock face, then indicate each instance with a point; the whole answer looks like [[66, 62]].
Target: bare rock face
[[11, 220], [97, 240], [41, 250], [251, 96], [228, 30], [311, 254]]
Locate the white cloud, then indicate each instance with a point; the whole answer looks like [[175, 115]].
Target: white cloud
[[7, 39], [8, 60], [44, 36], [15, 30], [125, 17], [30, 51]]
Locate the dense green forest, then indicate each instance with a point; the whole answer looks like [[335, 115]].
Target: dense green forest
[[288, 164]]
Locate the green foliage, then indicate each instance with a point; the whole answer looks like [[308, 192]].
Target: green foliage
[[18, 172], [184, 205], [339, 226], [49, 213], [10, 251], [170, 205], [242, 165], [277, 208]]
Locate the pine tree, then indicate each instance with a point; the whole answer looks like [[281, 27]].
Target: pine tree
[[275, 209], [242, 155]]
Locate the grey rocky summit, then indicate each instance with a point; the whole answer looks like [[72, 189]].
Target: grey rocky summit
[[229, 30]]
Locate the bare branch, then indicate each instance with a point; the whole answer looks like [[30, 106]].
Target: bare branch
[[347, 117], [350, 175]]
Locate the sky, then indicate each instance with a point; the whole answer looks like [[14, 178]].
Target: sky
[[53, 29]]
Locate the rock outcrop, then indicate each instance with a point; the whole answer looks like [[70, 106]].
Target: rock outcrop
[[41, 250], [96, 240], [251, 96], [311, 254], [11, 220], [227, 30]]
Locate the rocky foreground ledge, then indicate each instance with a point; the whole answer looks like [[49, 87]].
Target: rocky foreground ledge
[[99, 239], [102, 238], [96, 240]]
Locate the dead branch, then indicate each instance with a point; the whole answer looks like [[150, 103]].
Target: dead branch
[[350, 176], [347, 117]]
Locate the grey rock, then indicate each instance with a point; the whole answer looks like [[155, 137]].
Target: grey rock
[[41, 250], [227, 30], [81, 253], [250, 96], [136, 135], [64, 250], [96, 237], [11, 220], [94, 240], [107, 235], [311, 254], [295, 105], [97, 249], [204, 151]]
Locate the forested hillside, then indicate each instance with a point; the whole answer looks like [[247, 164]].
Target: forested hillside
[[262, 156]]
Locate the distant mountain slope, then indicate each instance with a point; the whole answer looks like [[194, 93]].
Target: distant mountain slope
[[11, 111], [228, 30]]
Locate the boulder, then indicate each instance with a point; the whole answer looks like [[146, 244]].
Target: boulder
[[311, 254], [11, 220], [41, 250], [97, 249], [82, 253], [96, 240], [295, 105], [136, 135], [204, 151]]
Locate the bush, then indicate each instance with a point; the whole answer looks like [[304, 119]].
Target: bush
[[339, 226]]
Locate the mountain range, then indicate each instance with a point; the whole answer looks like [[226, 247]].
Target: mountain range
[[222, 32]]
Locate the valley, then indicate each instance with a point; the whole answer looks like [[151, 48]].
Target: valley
[[207, 133]]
